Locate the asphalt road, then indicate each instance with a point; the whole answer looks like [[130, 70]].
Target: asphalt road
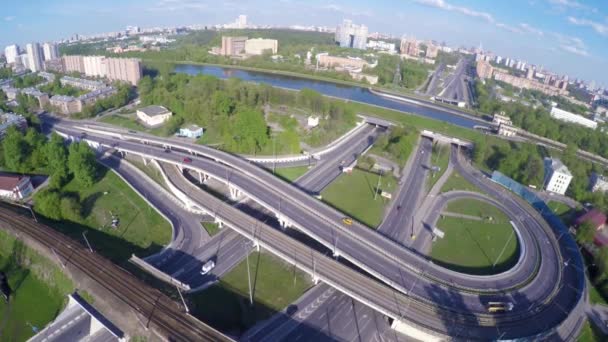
[[397, 224], [296, 209]]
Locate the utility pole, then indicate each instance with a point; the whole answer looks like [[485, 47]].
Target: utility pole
[[378, 185], [249, 281], [412, 236], [58, 258], [84, 235], [182, 297], [274, 153], [32, 212]]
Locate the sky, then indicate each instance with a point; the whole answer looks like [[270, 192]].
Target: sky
[[565, 36]]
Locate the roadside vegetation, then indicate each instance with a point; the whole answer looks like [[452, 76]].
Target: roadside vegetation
[[440, 157], [358, 195], [290, 174], [211, 228], [591, 333], [38, 286], [457, 182], [274, 284]]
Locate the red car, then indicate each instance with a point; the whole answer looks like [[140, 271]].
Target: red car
[[187, 160]]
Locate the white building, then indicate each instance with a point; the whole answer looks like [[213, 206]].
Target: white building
[[557, 176], [154, 115], [501, 118], [11, 52], [50, 51], [34, 57], [14, 186], [313, 121], [350, 35], [381, 45], [192, 131], [507, 130], [598, 183], [563, 115], [258, 46]]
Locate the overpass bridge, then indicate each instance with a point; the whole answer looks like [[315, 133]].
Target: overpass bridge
[[417, 282]]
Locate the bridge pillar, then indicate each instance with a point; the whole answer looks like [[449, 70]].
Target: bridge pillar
[[145, 160], [256, 244], [219, 223], [414, 332], [234, 193], [283, 221], [202, 178], [315, 280]]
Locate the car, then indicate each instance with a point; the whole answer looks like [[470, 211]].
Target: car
[[167, 150], [207, 267], [187, 160], [292, 309], [347, 221], [398, 207]]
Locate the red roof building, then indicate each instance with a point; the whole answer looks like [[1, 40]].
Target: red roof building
[[595, 217]]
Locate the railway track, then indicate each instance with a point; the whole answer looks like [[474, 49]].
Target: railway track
[[158, 310]]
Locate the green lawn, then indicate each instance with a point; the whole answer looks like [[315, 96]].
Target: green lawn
[[457, 182], [226, 305], [141, 230], [211, 228], [474, 246], [440, 157], [566, 213], [353, 194], [595, 297], [477, 208], [290, 174], [129, 122], [39, 290], [152, 171], [591, 333]]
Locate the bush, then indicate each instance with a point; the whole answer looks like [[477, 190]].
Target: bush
[[48, 203], [71, 209]]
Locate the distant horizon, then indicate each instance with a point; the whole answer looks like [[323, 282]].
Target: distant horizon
[[566, 37]]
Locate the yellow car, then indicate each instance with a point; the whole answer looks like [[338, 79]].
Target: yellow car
[[347, 221]]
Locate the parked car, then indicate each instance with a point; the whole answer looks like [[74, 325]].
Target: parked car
[[207, 267]]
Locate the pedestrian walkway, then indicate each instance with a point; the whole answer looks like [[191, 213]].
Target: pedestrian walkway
[[463, 216]]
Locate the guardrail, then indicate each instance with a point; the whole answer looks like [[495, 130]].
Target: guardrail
[[158, 273]]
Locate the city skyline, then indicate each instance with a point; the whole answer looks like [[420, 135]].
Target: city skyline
[[565, 36]]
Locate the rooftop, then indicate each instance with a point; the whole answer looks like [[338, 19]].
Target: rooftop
[[593, 216], [8, 181], [154, 110], [557, 166], [63, 98]]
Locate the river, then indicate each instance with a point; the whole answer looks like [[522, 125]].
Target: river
[[347, 92]]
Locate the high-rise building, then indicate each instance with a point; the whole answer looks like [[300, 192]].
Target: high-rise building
[[431, 51], [34, 55], [350, 35], [409, 46], [484, 70], [530, 73], [123, 69], [11, 52], [233, 46], [94, 66], [73, 64], [241, 22], [258, 46], [50, 51]]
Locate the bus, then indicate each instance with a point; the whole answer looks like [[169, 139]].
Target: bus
[[495, 307]]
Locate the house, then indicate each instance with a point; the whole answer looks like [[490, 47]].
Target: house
[[598, 183], [501, 118], [192, 131], [11, 119], [595, 217], [557, 176], [14, 186], [507, 130], [154, 115], [313, 121]]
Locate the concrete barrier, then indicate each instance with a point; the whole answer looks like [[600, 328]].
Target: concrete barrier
[[158, 273]]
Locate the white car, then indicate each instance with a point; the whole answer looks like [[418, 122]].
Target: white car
[[208, 266]]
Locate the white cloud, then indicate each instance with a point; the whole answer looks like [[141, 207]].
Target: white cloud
[[567, 3], [598, 27], [441, 4], [575, 50], [180, 5], [9, 18], [346, 11], [531, 29]]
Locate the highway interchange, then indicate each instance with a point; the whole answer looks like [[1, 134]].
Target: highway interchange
[[359, 243]]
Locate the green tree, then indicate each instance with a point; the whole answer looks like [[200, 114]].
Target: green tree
[[585, 233], [15, 150], [250, 131], [57, 159], [71, 209], [82, 163], [48, 203]]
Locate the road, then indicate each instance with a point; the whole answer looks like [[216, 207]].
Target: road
[[397, 224], [300, 209], [457, 88], [329, 167]]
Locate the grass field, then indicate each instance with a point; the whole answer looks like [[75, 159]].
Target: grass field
[[440, 157], [290, 174], [226, 305], [353, 194], [457, 182], [475, 246], [129, 122], [39, 290], [211, 228], [595, 297], [477, 208], [566, 213], [150, 170], [141, 230], [591, 333]]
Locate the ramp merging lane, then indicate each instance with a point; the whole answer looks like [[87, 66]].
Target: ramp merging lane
[[427, 295]]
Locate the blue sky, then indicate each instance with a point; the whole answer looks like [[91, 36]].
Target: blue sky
[[567, 36]]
